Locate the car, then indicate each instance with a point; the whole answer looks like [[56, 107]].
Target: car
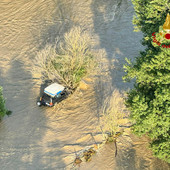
[[52, 94]]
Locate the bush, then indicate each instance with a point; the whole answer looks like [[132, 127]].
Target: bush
[[88, 154], [3, 110], [113, 113], [69, 62]]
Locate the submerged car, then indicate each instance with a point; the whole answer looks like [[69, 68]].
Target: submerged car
[[52, 94]]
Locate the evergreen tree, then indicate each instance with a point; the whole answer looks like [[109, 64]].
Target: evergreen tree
[[149, 100]]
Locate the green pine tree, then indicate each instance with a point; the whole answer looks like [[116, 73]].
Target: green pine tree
[[149, 100]]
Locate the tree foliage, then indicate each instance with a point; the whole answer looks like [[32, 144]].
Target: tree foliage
[[150, 15], [3, 110], [149, 100]]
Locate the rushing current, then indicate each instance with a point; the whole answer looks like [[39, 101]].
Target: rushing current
[[47, 138]]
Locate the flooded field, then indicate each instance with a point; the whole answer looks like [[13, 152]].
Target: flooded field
[[47, 138]]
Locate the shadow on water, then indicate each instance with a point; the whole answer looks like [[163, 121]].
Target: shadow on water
[[44, 85], [129, 160], [112, 23], [21, 133], [61, 24]]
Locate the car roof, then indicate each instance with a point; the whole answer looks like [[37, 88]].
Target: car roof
[[54, 89]]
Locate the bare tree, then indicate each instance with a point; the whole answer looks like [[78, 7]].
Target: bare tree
[[69, 62]]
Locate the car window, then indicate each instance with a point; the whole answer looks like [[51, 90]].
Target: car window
[[46, 97], [58, 95]]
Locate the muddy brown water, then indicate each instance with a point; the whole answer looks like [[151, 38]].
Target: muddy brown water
[[46, 138]]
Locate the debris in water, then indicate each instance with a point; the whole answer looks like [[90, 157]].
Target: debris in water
[[77, 161], [88, 154]]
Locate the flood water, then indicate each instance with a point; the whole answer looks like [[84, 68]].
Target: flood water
[[46, 138]]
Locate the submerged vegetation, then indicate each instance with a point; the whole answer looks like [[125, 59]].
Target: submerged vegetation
[[69, 61], [2, 105], [3, 110], [149, 100], [88, 154], [114, 112]]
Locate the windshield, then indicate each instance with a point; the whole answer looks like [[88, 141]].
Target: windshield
[[46, 98]]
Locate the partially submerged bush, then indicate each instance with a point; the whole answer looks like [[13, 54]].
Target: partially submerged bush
[[3, 110], [69, 62], [88, 154], [111, 137], [113, 113]]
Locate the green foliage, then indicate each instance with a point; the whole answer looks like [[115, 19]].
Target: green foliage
[[149, 100], [75, 58], [3, 110], [150, 14]]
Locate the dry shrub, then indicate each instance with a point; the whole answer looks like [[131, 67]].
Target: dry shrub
[[43, 67], [72, 61], [114, 111]]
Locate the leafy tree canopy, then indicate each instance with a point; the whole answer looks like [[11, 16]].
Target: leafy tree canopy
[[149, 100], [2, 105]]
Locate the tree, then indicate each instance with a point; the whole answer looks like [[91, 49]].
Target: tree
[[69, 61], [3, 110], [149, 100]]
